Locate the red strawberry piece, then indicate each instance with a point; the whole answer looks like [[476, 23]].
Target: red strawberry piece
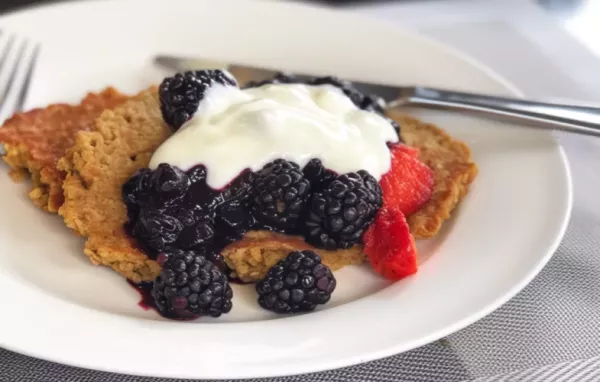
[[389, 245], [409, 183]]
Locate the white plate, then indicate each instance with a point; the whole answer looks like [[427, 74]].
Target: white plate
[[57, 306]]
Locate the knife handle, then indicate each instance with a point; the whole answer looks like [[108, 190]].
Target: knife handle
[[573, 118]]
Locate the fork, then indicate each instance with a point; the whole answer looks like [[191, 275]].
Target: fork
[[17, 62]]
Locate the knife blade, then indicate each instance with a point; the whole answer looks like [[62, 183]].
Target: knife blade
[[569, 117], [245, 73]]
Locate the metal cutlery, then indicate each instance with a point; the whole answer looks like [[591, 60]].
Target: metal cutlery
[[17, 61], [574, 118]]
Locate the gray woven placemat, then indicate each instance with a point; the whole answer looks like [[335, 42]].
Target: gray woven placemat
[[436, 362], [581, 371], [554, 319]]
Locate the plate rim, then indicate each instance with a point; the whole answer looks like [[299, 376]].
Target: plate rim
[[502, 82]]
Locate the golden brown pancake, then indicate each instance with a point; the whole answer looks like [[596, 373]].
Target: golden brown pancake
[[99, 163], [453, 170], [34, 141], [120, 141], [251, 257]]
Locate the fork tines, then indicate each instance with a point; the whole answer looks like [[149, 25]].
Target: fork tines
[[17, 62]]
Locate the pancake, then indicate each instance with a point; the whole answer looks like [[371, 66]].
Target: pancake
[[105, 153], [34, 142], [453, 169], [99, 163]]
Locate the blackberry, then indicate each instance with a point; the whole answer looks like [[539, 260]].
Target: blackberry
[[157, 230], [189, 286], [164, 185], [280, 193], [181, 94], [135, 192], [232, 221], [297, 283], [240, 188], [318, 176], [200, 234], [207, 253], [279, 78], [161, 214], [338, 216], [170, 210], [200, 195], [169, 184], [233, 217]]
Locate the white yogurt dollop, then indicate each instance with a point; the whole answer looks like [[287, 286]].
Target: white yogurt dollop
[[236, 129]]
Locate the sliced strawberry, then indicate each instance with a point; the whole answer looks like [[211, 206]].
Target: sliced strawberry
[[389, 245], [409, 183]]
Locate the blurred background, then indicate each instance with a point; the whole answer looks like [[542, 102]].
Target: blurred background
[[580, 18], [550, 48]]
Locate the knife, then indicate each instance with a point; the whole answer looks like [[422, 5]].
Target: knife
[[581, 119], [245, 73]]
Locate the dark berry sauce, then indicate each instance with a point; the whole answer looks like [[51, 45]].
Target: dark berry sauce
[[171, 210], [235, 280], [144, 289]]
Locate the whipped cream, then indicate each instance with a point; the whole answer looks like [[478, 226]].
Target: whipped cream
[[236, 129]]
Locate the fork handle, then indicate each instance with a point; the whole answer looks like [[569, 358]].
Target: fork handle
[[573, 118]]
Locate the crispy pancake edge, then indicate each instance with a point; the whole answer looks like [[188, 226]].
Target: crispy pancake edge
[[35, 140], [96, 167], [453, 168]]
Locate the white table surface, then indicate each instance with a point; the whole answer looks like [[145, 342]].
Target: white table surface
[[514, 37]]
